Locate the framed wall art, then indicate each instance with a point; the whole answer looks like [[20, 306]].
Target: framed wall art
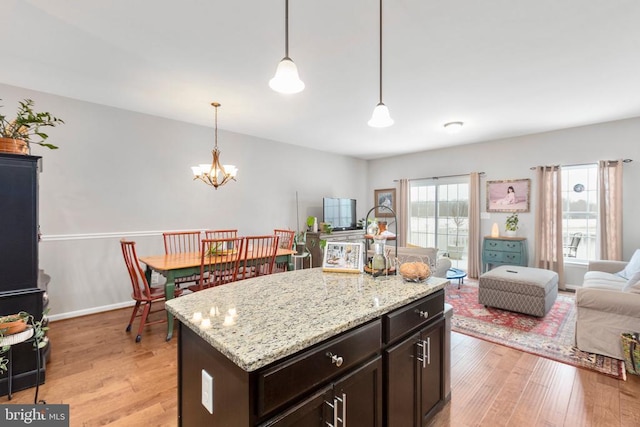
[[343, 257], [508, 195], [387, 199]]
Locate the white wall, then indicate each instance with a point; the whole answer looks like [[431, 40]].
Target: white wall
[[120, 173], [512, 158]]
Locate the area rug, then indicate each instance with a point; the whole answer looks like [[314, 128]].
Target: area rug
[[551, 336]]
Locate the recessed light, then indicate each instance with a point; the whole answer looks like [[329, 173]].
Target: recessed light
[[453, 127]]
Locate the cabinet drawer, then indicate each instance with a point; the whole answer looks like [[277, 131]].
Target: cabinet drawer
[[300, 374], [404, 320], [492, 256], [512, 258], [508, 246], [493, 245]]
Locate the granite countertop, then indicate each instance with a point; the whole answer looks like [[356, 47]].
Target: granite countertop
[[258, 321]]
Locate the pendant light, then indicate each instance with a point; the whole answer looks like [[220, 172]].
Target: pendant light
[[380, 117], [286, 79]]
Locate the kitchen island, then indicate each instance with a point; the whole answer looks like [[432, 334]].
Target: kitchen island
[[311, 348]]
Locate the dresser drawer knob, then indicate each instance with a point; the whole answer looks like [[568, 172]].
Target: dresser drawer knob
[[337, 360], [423, 314]]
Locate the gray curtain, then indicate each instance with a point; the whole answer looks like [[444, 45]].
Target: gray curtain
[[403, 212], [474, 263], [610, 209], [548, 222]]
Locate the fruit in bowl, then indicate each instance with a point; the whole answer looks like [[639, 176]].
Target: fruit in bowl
[[415, 271]]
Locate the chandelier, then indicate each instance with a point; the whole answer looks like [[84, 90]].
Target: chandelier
[[215, 174]]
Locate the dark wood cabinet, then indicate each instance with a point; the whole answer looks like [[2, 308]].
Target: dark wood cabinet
[[19, 260], [388, 371], [356, 399], [413, 366], [18, 222]]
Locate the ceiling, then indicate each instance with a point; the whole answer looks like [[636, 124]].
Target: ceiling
[[503, 67]]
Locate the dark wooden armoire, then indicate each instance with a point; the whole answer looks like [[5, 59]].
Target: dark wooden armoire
[[21, 282]]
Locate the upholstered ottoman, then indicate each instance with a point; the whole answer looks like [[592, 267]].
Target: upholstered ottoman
[[522, 289]]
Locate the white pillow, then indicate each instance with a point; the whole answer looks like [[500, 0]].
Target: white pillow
[[632, 267], [633, 284]]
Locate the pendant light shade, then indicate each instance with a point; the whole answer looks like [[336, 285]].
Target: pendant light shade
[[380, 117], [286, 79]]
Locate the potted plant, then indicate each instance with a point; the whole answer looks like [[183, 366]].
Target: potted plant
[[511, 225], [17, 134], [16, 323]]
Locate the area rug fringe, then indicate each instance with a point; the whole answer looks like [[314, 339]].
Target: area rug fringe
[[550, 337]]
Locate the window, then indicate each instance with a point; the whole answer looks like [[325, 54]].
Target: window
[[439, 217], [580, 211]]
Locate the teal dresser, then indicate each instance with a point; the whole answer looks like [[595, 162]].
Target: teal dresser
[[504, 251]]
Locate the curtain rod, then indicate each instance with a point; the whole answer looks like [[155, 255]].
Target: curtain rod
[[585, 164], [438, 177]]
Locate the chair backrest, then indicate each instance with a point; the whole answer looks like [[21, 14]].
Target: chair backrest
[[259, 256], [220, 260], [141, 290], [221, 234], [177, 242], [285, 238], [575, 240]]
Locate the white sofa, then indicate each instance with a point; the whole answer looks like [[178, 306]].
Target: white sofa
[[607, 305]]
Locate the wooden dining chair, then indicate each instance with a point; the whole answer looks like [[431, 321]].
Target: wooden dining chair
[[259, 256], [285, 241], [219, 262], [177, 242], [221, 234], [143, 294]]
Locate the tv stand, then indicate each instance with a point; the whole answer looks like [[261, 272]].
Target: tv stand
[[313, 241]]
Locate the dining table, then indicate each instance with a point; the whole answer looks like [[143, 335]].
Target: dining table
[[184, 264]]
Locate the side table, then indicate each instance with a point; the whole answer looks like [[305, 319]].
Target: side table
[[455, 273], [10, 341]]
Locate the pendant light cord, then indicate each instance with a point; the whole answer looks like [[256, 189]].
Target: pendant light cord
[[380, 98], [286, 28]]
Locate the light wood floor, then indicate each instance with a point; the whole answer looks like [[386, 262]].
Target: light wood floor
[[108, 379]]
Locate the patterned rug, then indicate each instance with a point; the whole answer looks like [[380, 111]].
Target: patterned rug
[[551, 336]]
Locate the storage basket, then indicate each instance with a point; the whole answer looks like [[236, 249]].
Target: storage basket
[[631, 351]]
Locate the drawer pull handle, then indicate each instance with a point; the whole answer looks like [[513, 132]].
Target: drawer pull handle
[[425, 357], [423, 314], [337, 360]]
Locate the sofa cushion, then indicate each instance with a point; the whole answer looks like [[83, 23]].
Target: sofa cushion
[[633, 284], [632, 267], [602, 280]]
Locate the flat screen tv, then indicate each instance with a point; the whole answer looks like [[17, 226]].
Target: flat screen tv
[[340, 213]]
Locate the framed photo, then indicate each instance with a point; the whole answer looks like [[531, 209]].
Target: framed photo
[[343, 257], [508, 196], [385, 198]]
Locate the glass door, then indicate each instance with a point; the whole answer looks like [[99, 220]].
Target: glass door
[[439, 217]]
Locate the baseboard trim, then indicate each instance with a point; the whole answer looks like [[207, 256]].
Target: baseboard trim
[[92, 310]]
